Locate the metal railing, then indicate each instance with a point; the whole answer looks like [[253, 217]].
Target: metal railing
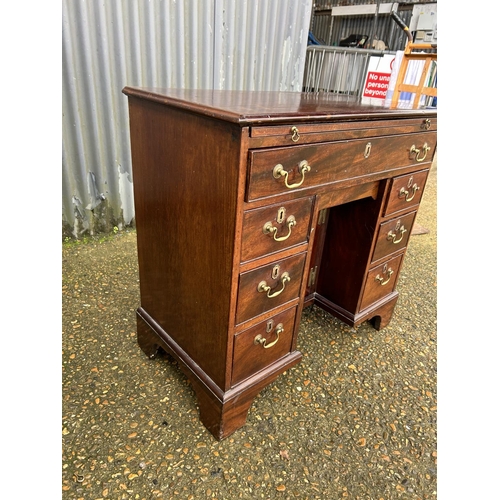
[[341, 70]]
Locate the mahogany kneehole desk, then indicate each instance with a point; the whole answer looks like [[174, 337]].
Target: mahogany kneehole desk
[[252, 205]]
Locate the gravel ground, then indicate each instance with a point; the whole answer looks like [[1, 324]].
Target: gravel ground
[[356, 419]]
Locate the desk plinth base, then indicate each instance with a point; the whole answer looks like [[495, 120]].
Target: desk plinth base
[[379, 314], [222, 412]]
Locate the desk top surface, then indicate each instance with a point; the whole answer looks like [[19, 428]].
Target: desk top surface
[[268, 107]]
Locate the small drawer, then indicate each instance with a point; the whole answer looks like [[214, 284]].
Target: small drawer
[[301, 133], [380, 282], [263, 344], [275, 227], [393, 236], [266, 287], [281, 170], [405, 191]]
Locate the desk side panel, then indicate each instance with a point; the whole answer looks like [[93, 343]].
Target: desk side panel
[[185, 169]]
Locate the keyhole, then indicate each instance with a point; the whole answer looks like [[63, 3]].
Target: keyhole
[[276, 271], [281, 215]]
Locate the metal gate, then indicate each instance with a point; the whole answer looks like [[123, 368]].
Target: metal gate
[[341, 70]]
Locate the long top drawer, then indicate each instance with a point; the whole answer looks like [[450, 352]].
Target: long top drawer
[[279, 170]]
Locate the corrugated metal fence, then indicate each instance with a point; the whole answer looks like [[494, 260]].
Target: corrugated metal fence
[[220, 44]]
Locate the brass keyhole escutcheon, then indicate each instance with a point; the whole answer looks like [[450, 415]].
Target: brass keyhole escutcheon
[[281, 215], [270, 326], [275, 272], [295, 134]]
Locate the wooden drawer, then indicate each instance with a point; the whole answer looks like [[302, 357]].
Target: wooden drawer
[[405, 191], [393, 235], [311, 165], [265, 343], [313, 132], [283, 277], [275, 227], [380, 281]]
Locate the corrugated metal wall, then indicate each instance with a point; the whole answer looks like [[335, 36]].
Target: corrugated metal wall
[[220, 44]]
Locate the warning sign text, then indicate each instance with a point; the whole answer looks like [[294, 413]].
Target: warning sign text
[[376, 85]]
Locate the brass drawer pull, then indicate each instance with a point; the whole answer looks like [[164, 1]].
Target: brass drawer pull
[[425, 148], [264, 287], [403, 193], [380, 279], [270, 229], [295, 134], [263, 342], [279, 171], [392, 235]]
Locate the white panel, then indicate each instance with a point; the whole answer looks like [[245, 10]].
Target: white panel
[[358, 10]]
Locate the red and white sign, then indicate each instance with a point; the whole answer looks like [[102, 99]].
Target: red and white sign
[[376, 85], [377, 79]]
